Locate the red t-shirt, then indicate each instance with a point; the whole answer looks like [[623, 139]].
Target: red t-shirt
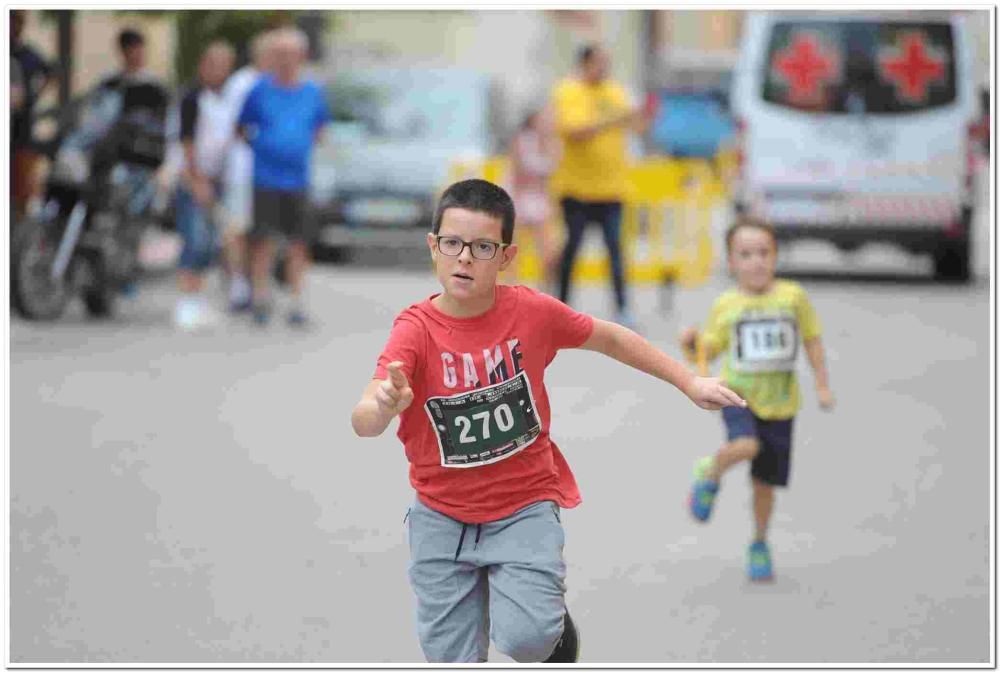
[[477, 432]]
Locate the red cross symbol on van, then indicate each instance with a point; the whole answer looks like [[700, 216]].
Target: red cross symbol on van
[[911, 66], [805, 65]]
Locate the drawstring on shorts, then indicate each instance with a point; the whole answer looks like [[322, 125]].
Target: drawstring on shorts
[[461, 538]]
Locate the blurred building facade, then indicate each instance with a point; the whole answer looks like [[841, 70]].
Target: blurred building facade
[[95, 50], [525, 50]]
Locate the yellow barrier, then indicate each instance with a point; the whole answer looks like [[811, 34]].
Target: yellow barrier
[[665, 222]]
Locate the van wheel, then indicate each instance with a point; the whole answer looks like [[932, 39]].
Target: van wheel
[[951, 259]]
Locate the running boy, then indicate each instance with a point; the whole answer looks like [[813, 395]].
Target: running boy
[[758, 324], [464, 371]]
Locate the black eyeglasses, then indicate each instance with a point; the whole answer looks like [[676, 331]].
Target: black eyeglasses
[[481, 249]]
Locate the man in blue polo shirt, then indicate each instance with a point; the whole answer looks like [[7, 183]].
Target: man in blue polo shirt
[[281, 119]]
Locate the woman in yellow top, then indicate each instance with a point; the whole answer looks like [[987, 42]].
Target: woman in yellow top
[[758, 325], [593, 117]]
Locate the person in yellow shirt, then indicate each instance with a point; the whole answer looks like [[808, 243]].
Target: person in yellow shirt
[[758, 325], [593, 118]]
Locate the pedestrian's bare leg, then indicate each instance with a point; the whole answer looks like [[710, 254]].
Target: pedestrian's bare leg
[[189, 282], [530, 230], [550, 257], [261, 258], [731, 453], [763, 505], [237, 267], [541, 252], [235, 253], [296, 266]]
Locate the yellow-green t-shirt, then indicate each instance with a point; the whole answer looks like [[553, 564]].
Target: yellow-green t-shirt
[[760, 337], [595, 169]]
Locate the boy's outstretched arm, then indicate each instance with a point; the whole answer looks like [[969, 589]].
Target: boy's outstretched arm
[[817, 358], [696, 350], [381, 402], [627, 347]]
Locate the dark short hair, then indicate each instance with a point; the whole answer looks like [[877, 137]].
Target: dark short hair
[[585, 53], [749, 222], [130, 38], [480, 196]]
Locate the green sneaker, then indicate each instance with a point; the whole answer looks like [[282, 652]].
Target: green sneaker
[[703, 490], [759, 562]]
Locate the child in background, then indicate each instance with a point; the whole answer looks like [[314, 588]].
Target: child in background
[[758, 325], [533, 156]]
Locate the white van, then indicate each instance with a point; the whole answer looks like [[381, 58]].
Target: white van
[[859, 127]]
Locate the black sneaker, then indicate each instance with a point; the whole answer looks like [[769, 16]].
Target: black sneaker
[[568, 648]]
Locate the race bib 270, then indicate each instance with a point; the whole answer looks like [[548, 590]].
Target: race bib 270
[[484, 426]]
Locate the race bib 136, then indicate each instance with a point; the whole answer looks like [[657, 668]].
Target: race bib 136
[[765, 344]]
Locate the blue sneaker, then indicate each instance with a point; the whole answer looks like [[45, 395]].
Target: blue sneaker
[[759, 562], [703, 491], [261, 315], [298, 318]]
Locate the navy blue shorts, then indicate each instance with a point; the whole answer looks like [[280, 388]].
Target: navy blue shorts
[[773, 461]]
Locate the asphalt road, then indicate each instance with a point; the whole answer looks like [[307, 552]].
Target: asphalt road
[[201, 498]]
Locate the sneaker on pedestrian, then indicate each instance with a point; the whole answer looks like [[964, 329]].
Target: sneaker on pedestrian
[[239, 294], [567, 650], [192, 314], [703, 490], [261, 315], [759, 562], [184, 315], [298, 318], [240, 306]]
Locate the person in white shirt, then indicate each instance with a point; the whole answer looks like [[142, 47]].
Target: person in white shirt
[[238, 176], [206, 134]]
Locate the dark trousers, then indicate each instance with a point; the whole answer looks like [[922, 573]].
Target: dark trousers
[[608, 214]]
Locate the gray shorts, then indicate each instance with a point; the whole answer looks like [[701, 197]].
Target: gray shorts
[[277, 212], [503, 580]]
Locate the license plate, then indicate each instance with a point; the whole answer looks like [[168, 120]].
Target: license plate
[[382, 210], [804, 211]]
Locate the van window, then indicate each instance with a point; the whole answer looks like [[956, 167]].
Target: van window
[[860, 66]]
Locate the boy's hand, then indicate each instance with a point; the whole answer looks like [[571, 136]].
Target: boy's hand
[[688, 339], [825, 398], [711, 394], [394, 394]]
